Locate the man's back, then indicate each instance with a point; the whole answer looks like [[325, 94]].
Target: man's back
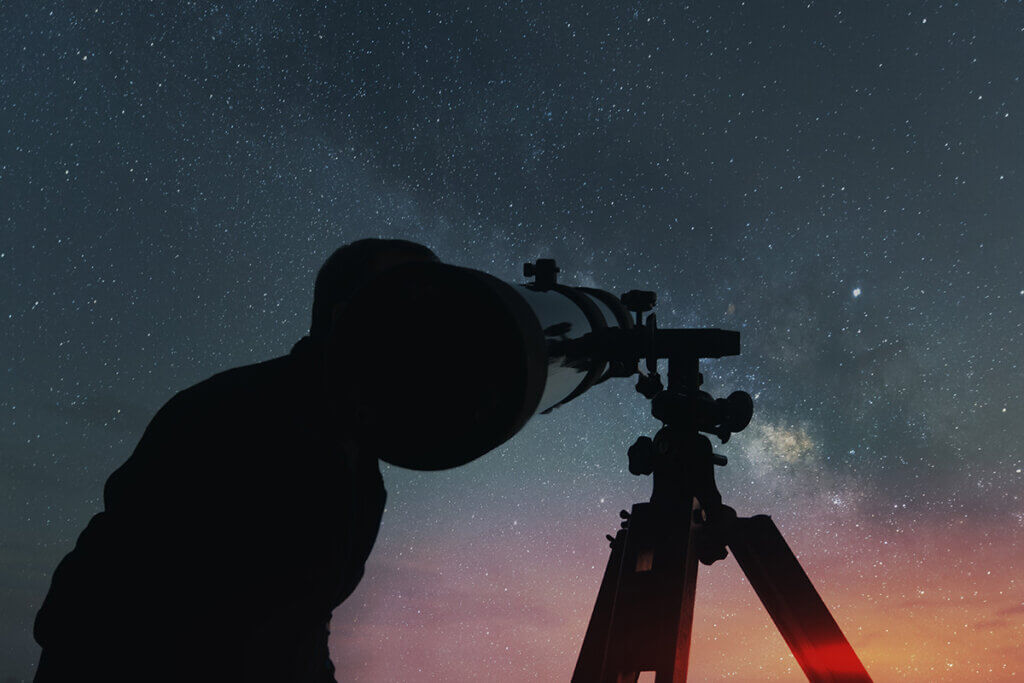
[[226, 540]]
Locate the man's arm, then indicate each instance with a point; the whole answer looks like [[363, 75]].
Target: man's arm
[[86, 587]]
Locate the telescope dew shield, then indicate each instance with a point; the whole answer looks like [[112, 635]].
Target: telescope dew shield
[[433, 365]]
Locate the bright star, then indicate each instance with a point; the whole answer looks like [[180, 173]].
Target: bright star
[[856, 292]]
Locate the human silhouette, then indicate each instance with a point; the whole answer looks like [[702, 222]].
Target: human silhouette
[[242, 519]]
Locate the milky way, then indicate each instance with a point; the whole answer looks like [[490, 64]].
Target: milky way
[[842, 186]]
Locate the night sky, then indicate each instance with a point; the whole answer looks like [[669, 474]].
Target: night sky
[[843, 186]]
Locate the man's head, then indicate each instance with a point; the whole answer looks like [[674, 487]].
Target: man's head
[[353, 266]]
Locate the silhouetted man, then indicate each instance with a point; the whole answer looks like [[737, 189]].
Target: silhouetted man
[[244, 516]]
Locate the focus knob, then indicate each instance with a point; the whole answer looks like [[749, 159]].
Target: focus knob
[[739, 408], [641, 456]]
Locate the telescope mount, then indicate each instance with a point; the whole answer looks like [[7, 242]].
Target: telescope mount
[[643, 617]]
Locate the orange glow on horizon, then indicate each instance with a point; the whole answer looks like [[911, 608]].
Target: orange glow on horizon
[[941, 603]]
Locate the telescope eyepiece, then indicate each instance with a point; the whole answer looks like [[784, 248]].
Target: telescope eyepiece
[[544, 271]]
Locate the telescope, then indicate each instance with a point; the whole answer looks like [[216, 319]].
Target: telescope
[[442, 364], [434, 365]]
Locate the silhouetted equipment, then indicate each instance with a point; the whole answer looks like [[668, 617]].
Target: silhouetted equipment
[[466, 360], [643, 616]]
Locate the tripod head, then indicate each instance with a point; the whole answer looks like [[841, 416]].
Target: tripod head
[[680, 457], [683, 403]]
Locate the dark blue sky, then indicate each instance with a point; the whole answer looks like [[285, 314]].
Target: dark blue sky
[[843, 185]]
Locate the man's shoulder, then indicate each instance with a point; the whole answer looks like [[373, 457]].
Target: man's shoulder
[[293, 369], [244, 376], [240, 393]]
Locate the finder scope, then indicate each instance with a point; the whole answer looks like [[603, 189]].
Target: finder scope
[[435, 365]]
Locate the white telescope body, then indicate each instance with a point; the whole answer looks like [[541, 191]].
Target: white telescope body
[[554, 310], [434, 365]]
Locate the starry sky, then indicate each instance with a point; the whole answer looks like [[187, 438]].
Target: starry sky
[[841, 182]]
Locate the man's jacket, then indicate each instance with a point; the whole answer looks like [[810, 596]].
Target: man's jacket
[[226, 539]]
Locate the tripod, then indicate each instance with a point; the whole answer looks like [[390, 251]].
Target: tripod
[[643, 616]]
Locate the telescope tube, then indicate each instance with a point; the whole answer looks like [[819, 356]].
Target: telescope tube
[[432, 365]]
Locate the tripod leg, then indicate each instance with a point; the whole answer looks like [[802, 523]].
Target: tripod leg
[[595, 642], [653, 611], [798, 611]]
